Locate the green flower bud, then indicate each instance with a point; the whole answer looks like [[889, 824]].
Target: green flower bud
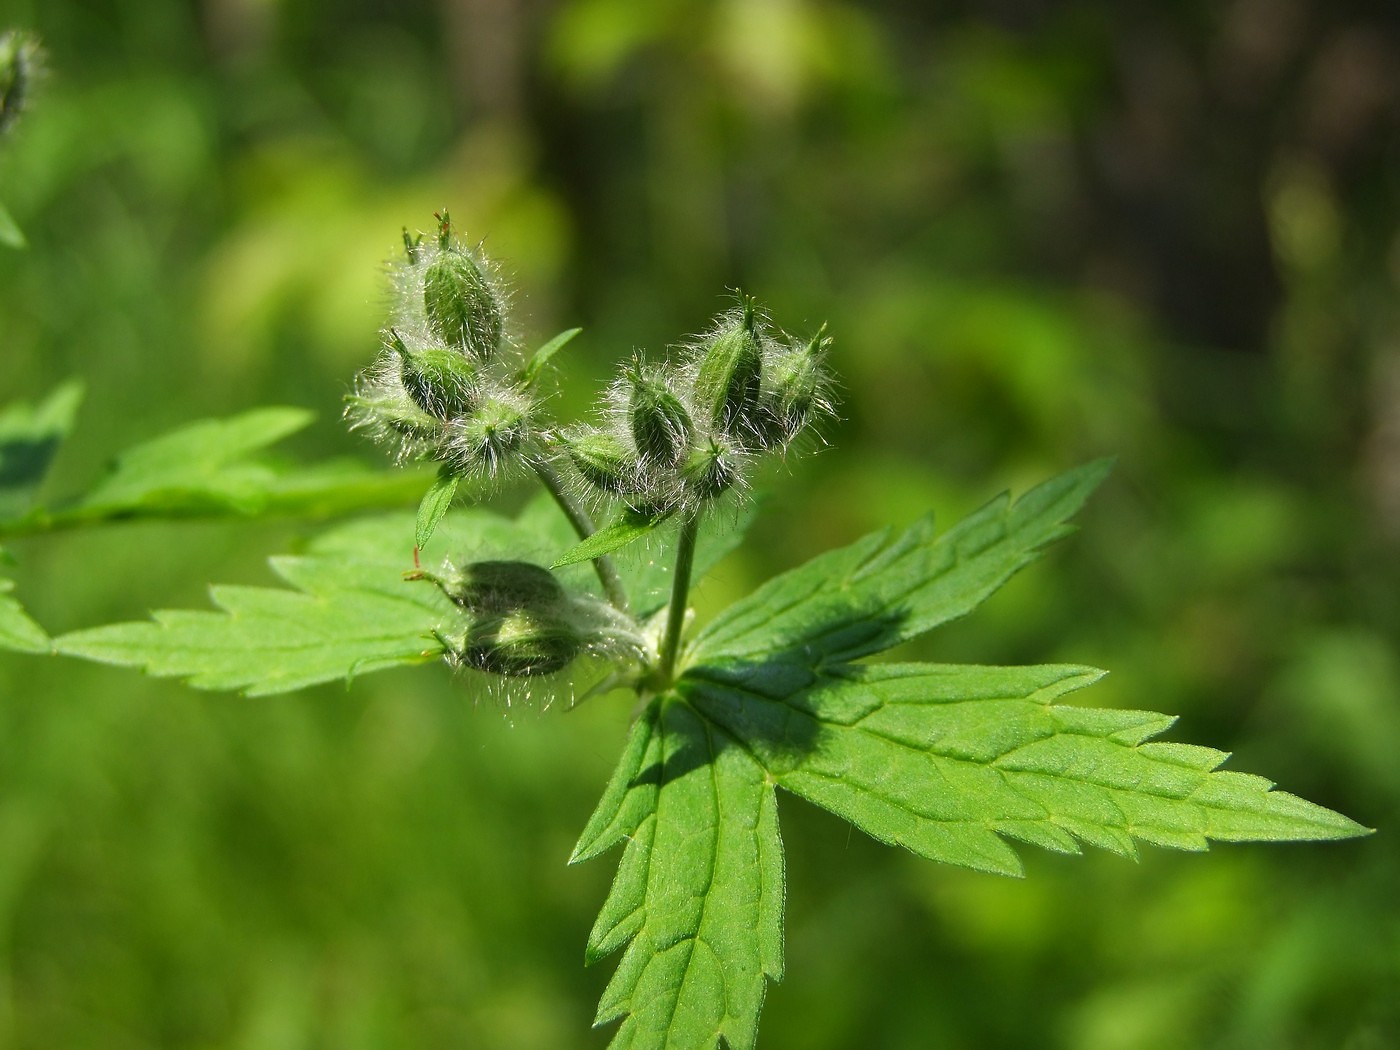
[[489, 587], [462, 307], [796, 379], [729, 375], [660, 424], [441, 382], [710, 471], [398, 415], [602, 460], [485, 440], [521, 618], [522, 642]]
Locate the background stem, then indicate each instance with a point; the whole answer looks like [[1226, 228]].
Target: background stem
[[583, 525]]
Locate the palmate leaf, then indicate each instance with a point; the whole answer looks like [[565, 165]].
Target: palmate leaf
[[948, 761]]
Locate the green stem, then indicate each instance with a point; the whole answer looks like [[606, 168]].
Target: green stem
[[680, 591], [583, 525]]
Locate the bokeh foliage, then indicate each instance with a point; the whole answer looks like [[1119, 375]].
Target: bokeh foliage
[[1040, 233]]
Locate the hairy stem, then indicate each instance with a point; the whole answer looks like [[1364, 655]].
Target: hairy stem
[[583, 525], [680, 591]]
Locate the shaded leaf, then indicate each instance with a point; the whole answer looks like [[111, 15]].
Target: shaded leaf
[[697, 901], [30, 436], [886, 588]]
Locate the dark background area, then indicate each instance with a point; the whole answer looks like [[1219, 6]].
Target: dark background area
[[1040, 233]]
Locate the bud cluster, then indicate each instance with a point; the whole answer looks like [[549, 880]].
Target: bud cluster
[[518, 621], [439, 389], [680, 434]]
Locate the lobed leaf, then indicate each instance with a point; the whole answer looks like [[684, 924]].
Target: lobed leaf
[[885, 588], [352, 612], [697, 901], [217, 467], [950, 761]]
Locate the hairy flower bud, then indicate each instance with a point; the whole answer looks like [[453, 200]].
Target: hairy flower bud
[[521, 643], [521, 618], [602, 460], [710, 471], [462, 306], [393, 414], [796, 380], [661, 426], [488, 587], [441, 382], [483, 442], [729, 374]]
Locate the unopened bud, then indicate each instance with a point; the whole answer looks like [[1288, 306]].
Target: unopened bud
[[660, 424], [730, 372], [710, 471], [400, 416], [462, 307], [602, 460], [796, 379], [520, 618], [490, 587], [441, 382], [485, 440], [521, 643]]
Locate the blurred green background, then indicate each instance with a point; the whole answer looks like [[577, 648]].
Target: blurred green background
[[1041, 233]]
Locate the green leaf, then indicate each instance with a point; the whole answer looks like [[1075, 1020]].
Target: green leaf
[[884, 588], [10, 234], [630, 526], [530, 374], [214, 467], [30, 436], [352, 612], [435, 503], [698, 897], [17, 630], [950, 761]]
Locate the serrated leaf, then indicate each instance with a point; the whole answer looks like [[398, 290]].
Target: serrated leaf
[[30, 436], [697, 901], [216, 467], [10, 234], [17, 630], [885, 588], [630, 526], [352, 613], [530, 374], [435, 503], [950, 761]]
